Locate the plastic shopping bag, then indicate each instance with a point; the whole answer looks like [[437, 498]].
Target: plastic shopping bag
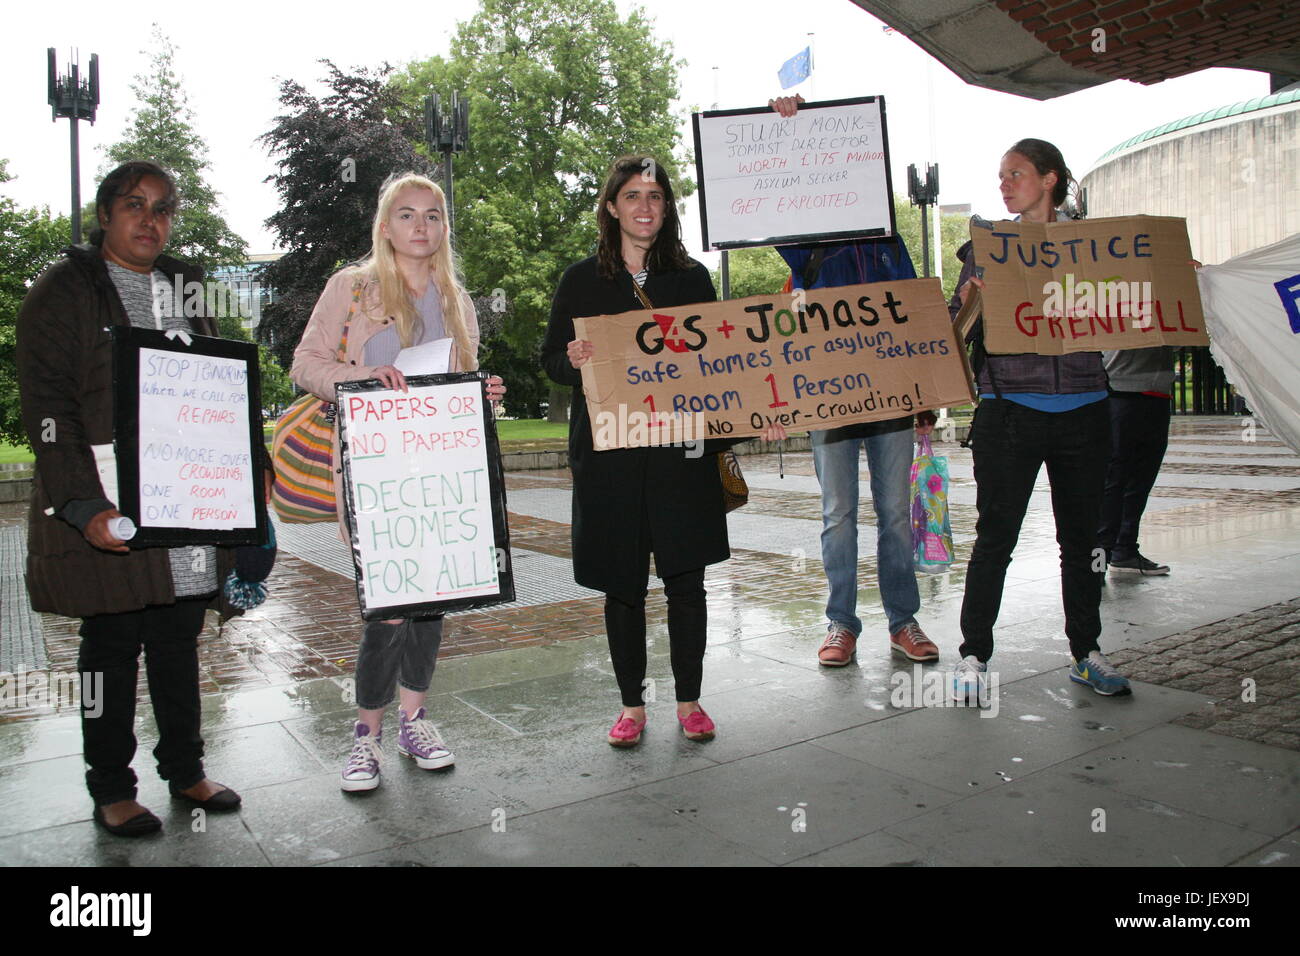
[[931, 529]]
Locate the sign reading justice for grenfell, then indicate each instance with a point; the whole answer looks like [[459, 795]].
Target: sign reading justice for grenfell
[[1124, 282]]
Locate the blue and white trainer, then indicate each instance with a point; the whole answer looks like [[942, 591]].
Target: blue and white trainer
[[1100, 674], [970, 681]]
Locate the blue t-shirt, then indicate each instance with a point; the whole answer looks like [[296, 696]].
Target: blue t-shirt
[[1048, 402]]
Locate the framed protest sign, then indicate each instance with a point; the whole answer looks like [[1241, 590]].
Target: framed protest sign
[[821, 175], [187, 422], [1124, 282], [808, 359], [425, 498]]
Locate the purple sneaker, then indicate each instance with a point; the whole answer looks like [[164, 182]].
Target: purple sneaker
[[418, 738], [361, 772]]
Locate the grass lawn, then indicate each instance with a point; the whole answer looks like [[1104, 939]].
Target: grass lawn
[[531, 429], [12, 453]]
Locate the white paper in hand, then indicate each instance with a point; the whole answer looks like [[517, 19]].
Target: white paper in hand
[[431, 358], [106, 465]]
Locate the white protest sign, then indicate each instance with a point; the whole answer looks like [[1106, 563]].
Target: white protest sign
[[195, 465], [822, 174], [419, 494]]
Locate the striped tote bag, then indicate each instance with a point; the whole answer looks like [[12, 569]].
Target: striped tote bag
[[302, 449]]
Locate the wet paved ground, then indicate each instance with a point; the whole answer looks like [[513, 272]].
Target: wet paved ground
[[812, 766]]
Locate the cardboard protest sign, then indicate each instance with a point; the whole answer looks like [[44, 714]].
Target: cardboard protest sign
[[822, 174], [425, 496], [187, 420], [729, 369], [1082, 286]]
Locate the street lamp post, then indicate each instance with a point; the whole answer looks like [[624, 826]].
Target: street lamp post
[[446, 132], [74, 98]]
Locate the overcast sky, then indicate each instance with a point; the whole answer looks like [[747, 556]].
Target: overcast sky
[[231, 57]]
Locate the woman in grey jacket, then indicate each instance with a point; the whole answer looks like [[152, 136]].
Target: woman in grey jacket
[[1035, 410]]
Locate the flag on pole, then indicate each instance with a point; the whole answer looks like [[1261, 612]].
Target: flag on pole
[[796, 69]]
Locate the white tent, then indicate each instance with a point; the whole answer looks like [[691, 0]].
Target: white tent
[[1252, 313]]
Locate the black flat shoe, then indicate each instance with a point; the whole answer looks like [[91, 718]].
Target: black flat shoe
[[222, 801], [142, 824]]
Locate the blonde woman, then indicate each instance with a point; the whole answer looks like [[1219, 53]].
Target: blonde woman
[[407, 293]]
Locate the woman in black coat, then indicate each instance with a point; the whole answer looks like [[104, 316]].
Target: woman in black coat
[[629, 503]]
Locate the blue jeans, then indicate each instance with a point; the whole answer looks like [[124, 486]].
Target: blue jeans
[[889, 459]]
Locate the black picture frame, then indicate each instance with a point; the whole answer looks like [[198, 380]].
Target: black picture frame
[[496, 489], [800, 238], [127, 343]]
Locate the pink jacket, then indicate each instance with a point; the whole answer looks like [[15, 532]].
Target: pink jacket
[[316, 366]]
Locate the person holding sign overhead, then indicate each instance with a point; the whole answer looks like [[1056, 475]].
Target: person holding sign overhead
[[1035, 410], [78, 563], [836, 453], [629, 503], [404, 295]]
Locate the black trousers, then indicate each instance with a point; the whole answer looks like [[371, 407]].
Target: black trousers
[[1139, 435], [109, 660], [1011, 442], [687, 635]]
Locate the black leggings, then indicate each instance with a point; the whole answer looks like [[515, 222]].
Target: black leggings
[[687, 635]]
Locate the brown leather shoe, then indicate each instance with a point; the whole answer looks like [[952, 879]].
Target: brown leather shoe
[[837, 649], [910, 641]]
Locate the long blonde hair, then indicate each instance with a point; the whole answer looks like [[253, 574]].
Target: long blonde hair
[[395, 296]]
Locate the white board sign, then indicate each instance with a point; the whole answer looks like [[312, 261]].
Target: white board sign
[[820, 175], [196, 469], [425, 496], [187, 427]]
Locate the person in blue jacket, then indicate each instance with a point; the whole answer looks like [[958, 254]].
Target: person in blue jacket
[[836, 456]]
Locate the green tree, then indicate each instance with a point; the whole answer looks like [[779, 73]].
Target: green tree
[[30, 240], [161, 129], [332, 155], [556, 92], [758, 270], [953, 231], [277, 388]]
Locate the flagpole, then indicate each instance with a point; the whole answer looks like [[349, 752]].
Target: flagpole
[[812, 66], [724, 266]]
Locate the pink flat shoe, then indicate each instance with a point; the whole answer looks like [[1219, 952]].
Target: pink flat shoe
[[627, 732], [697, 725]]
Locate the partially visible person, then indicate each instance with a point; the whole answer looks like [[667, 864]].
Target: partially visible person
[[1141, 381], [128, 599], [837, 453], [406, 293], [1035, 410]]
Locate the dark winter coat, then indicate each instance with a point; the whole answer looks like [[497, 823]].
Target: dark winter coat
[[630, 502], [65, 381]]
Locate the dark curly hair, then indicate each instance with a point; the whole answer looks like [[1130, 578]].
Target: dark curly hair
[[667, 252], [120, 182]]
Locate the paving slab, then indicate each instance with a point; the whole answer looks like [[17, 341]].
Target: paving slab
[[1049, 819], [1241, 783], [795, 801], [1036, 723], [624, 829]]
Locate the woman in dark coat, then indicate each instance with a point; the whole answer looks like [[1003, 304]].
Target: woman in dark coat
[[629, 503]]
